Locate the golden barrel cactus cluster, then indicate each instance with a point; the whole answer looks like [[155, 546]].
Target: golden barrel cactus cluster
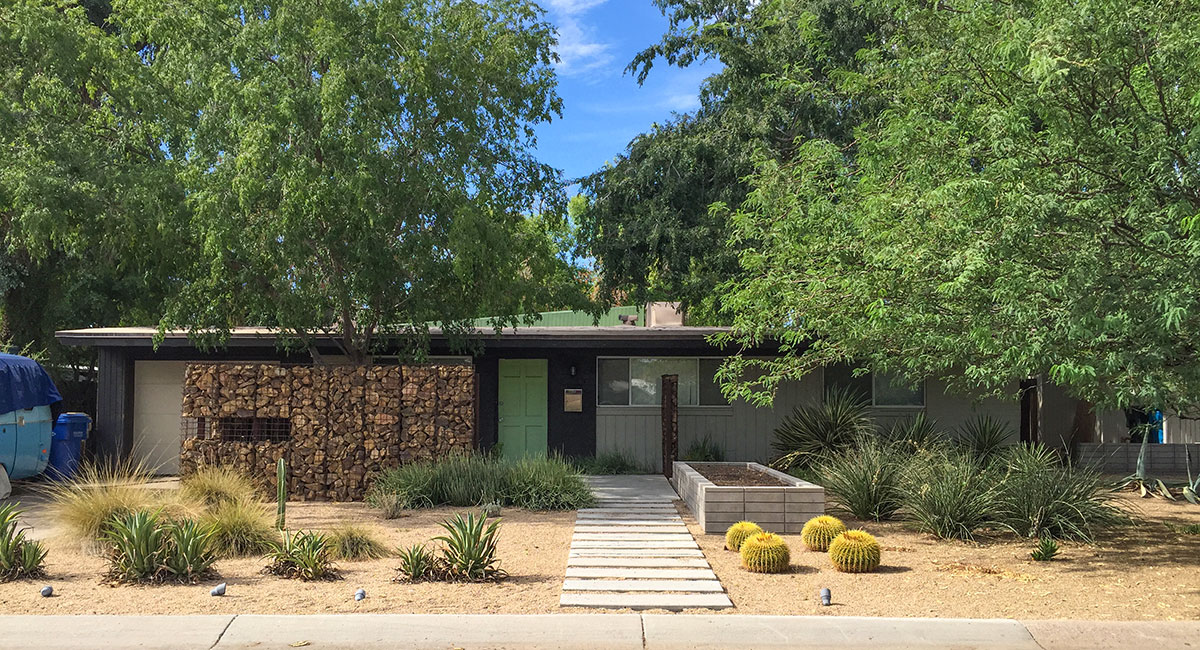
[[738, 533], [818, 532], [765, 553], [855, 551]]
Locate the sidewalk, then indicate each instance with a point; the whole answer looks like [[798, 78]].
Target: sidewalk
[[603, 631]]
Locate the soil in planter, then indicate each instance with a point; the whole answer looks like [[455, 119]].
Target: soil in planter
[[738, 475]]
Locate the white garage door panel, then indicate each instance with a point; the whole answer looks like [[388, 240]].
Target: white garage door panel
[[157, 399]]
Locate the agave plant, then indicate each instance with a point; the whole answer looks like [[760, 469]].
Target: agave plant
[[1148, 486], [1193, 486], [303, 555], [19, 557], [416, 563], [470, 548], [138, 546], [191, 554], [811, 432]]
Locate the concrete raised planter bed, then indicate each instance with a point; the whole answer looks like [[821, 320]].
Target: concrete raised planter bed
[[779, 509]]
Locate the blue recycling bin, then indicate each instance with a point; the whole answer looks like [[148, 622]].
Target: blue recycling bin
[[66, 446]]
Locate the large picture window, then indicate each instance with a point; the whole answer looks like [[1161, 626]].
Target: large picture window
[[637, 381], [877, 388]]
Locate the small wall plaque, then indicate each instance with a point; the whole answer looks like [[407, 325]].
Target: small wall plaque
[[573, 400]]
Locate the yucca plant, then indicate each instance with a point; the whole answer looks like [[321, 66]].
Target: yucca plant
[[811, 432], [915, 433], [138, 546], [949, 494], [303, 555], [190, 555], [469, 551], [19, 557], [984, 437], [416, 564], [867, 480]]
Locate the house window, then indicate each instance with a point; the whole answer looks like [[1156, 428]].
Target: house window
[[252, 429], [877, 388], [637, 381]]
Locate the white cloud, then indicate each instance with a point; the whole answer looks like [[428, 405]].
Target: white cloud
[[578, 48]]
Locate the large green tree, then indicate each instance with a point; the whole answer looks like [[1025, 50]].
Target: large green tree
[[648, 220], [1026, 205]]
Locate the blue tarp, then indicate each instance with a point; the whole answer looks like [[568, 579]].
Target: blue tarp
[[24, 384]]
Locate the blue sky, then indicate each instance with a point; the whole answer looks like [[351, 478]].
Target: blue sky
[[603, 107]]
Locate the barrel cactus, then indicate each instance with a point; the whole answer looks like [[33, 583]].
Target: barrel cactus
[[765, 553], [855, 551], [738, 533], [819, 531]]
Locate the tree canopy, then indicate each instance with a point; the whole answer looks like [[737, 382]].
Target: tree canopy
[[1026, 204], [358, 169], [648, 221]]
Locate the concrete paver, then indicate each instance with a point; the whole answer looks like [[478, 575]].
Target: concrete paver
[[572, 584]]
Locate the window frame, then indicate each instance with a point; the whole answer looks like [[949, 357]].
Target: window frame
[[629, 380], [873, 403]]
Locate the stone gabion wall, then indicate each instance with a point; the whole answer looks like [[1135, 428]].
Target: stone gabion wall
[[340, 424]]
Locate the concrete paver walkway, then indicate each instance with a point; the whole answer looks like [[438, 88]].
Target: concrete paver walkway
[[591, 631], [632, 550]]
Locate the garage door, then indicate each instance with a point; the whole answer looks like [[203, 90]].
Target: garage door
[[157, 399]]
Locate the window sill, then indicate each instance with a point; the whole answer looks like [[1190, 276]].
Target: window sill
[[655, 410]]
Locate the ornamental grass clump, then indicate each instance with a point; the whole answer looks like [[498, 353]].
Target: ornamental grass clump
[[20, 558], [737, 533], [855, 551], [240, 528], [98, 493], [468, 480], [213, 486], [349, 542], [949, 494], [765, 553], [818, 532]]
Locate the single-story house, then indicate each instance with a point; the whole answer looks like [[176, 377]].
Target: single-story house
[[575, 389]]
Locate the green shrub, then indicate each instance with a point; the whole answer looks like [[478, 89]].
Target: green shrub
[[302, 555], [416, 564], [1046, 549], [811, 432], [473, 480], [239, 528], [1188, 529], [868, 480], [704, 450], [609, 462], [216, 485], [350, 542], [984, 437], [949, 494], [469, 553], [916, 433], [1039, 496], [143, 546], [19, 557]]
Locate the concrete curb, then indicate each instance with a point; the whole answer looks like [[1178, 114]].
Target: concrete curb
[[604, 631]]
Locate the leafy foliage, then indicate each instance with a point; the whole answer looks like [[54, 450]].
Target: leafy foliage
[[19, 557], [998, 221], [811, 432], [303, 555], [469, 551], [472, 480]]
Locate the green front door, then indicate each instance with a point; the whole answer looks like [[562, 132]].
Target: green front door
[[522, 407]]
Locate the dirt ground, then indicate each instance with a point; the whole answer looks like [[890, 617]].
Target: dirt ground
[[734, 475], [532, 547], [1146, 572]]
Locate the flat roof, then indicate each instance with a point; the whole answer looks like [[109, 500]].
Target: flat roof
[[249, 336]]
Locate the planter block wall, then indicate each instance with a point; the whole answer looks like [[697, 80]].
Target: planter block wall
[[1121, 457], [779, 509], [336, 425]]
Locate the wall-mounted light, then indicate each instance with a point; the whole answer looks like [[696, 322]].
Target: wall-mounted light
[[572, 370]]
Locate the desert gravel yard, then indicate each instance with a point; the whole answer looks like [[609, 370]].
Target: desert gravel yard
[[1145, 572], [532, 547]]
